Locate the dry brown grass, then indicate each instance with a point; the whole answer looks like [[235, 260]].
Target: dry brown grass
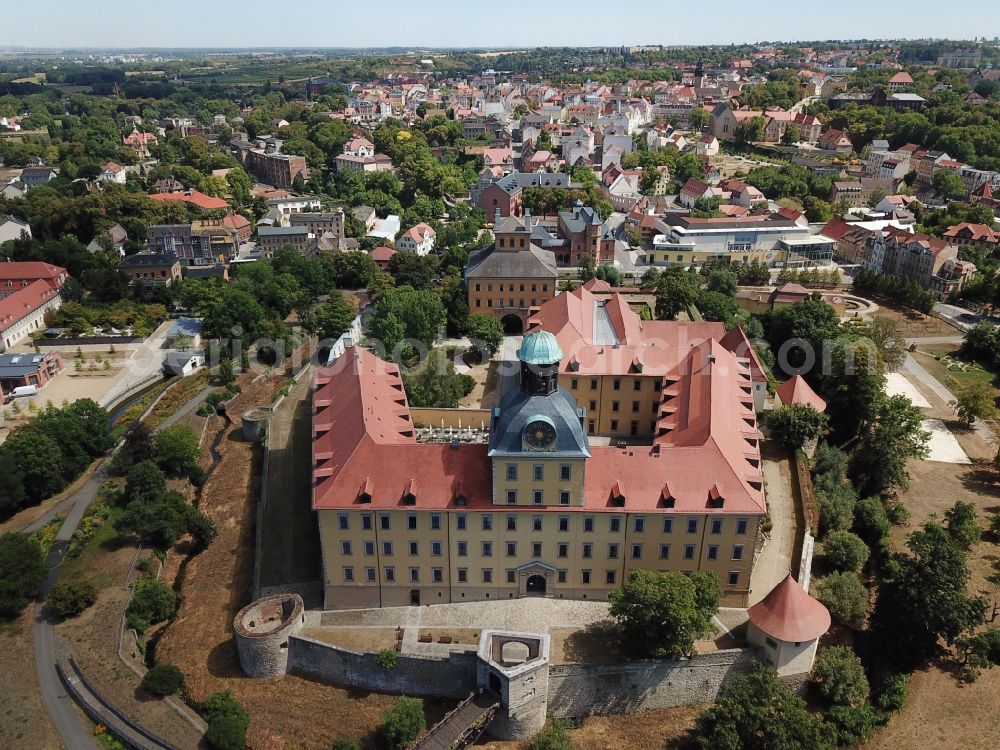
[[24, 723], [913, 324], [355, 639], [657, 729], [215, 584]]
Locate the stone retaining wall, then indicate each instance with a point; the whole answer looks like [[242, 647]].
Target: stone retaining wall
[[453, 676], [578, 690]]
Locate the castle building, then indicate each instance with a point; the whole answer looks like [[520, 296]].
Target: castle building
[[544, 507]]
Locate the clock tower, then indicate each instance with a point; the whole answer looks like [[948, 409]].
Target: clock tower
[[538, 444]]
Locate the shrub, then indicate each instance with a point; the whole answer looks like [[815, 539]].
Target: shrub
[[845, 596], [829, 459], [403, 722], [870, 520], [227, 721], [162, 680], [960, 520], [793, 425], [836, 507], [893, 692], [201, 528], [840, 676], [995, 523], [555, 736], [845, 551], [386, 658], [70, 598], [852, 723], [153, 601], [342, 743], [897, 513]]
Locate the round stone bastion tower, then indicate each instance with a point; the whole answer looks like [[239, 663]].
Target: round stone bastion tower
[[262, 630]]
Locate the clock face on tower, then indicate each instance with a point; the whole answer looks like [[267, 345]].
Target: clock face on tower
[[539, 435]]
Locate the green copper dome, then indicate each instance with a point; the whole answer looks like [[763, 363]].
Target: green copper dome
[[540, 348]]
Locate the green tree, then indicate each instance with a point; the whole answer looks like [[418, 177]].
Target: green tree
[[410, 269], [152, 601], [716, 306], [676, 291], [723, 281], [456, 305], [948, 184], [840, 676], [485, 331], [793, 425], [331, 319], [145, 482], [975, 401], [845, 551], [812, 321], [662, 614], [844, 595], [227, 721], [436, 384], [751, 130], [554, 736], [177, 449], [163, 680], [961, 522], [791, 136], [404, 310], [925, 599], [891, 346], [22, 571], [403, 722], [38, 460], [70, 598], [756, 711], [894, 436], [12, 492]]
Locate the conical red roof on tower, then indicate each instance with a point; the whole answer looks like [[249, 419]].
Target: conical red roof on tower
[[789, 614]]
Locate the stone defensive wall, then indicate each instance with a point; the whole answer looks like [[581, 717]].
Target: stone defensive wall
[[574, 690]]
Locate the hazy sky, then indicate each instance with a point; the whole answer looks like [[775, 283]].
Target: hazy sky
[[456, 23]]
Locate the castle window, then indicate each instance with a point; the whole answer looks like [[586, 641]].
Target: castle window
[[511, 497], [664, 551], [713, 552], [688, 551], [387, 549], [511, 472], [538, 472], [345, 547], [463, 575], [349, 574], [564, 472], [342, 521], [734, 578]]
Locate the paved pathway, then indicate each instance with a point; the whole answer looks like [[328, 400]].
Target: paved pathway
[[189, 407], [74, 734], [775, 560], [914, 369]]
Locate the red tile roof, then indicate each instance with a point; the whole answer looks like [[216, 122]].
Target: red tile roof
[[193, 197], [382, 253], [18, 272], [24, 302], [365, 452], [789, 614], [797, 391]]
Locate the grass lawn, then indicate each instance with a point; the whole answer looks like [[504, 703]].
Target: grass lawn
[[954, 373], [88, 564]]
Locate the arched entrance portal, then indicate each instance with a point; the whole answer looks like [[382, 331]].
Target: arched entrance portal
[[512, 325], [535, 585]]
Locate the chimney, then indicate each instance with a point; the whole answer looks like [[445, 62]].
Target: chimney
[[527, 221]]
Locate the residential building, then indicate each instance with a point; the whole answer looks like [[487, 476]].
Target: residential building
[[417, 239], [112, 172], [538, 509], [761, 302], [900, 81], [375, 163], [270, 239], [265, 161], [151, 269], [203, 242], [835, 140], [111, 240], [12, 228], [17, 275], [694, 191], [139, 142], [505, 192], [35, 176], [22, 312], [585, 234], [967, 234], [194, 199], [319, 223], [19, 370]]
